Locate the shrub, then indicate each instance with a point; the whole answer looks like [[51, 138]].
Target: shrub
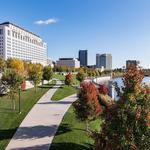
[[126, 124], [80, 76], [68, 79], [47, 73], [87, 107], [103, 89]]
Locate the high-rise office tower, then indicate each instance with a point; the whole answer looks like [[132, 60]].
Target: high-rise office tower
[[83, 57], [104, 60], [132, 63]]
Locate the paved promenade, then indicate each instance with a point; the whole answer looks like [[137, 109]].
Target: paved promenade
[[37, 130]]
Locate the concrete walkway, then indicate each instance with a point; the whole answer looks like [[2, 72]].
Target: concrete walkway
[[37, 130]]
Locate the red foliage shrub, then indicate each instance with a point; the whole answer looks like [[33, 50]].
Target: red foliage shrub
[[103, 89], [147, 90], [68, 79], [23, 86], [87, 107]]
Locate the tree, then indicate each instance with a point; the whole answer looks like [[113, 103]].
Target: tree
[[87, 107], [2, 64], [47, 73], [126, 122], [80, 75], [35, 74], [103, 89], [17, 64], [68, 79], [12, 80]]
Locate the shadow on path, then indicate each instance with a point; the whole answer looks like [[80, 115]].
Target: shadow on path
[[35, 132], [28, 132]]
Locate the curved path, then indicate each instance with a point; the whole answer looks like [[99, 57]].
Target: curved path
[[37, 130]]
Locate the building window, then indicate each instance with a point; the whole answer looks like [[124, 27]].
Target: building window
[[8, 32], [1, 31]]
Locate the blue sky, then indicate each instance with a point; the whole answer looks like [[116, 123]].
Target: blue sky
[[119, 27]]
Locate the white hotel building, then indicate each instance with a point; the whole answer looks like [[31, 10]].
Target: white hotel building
[[16, 42], [68, 62]]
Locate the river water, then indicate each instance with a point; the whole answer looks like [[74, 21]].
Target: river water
[[120, 82]]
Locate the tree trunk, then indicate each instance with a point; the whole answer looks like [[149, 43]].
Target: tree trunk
[[14, 105], [35, 88]]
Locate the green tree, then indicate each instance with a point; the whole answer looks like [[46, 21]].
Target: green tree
[[35, 74], [80, 75], [2, 64], [12, 80], [47, 73]]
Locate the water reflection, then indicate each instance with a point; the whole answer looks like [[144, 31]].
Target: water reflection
[[120, 83]]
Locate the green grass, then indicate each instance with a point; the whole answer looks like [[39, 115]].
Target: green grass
[[49, 85], [9, 119], [63, 92], [62, 78], [71, 134], [59, 76]]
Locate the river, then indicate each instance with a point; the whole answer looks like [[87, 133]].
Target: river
[[120, 83]]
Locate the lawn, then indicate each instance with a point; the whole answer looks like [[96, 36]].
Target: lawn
[[59, 76], [71, 134], [9, 119], [63, 92], [62, 78]]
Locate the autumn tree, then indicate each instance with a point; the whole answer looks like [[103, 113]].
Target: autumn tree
[[68, 79], [87, 107], [80, 75], [2, 64], [103, 89], [47, 73], [35, 74], [12, 80], [126, 122], [17, 64]]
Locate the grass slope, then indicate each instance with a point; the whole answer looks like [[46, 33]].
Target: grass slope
[[71, 134], [59, 76], [10, 120], [63, 92], [62, 78]]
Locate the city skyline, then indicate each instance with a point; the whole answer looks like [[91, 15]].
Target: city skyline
[[121, 28]]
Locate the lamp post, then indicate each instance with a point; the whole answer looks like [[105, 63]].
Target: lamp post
[[19, 99]]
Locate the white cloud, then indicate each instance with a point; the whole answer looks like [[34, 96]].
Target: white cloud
[[46, 22]]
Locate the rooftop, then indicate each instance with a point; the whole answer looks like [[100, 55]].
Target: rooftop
[[7, 23], [66, 58]]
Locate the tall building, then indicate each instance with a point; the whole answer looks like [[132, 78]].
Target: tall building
[[104, 61], [83, 57], [132, 63], [16, 42], [68, 62]]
